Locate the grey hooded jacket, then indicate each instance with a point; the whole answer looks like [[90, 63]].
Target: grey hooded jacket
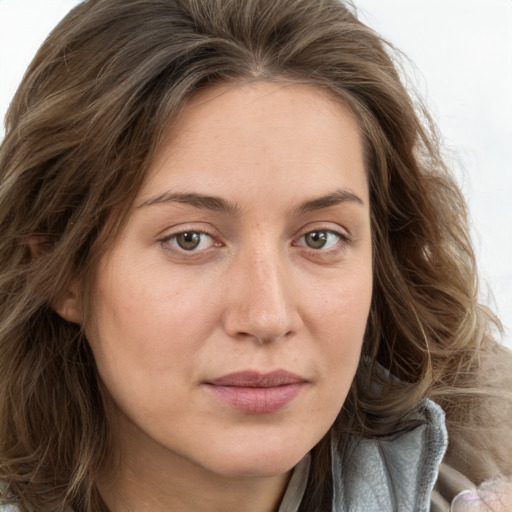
[[389, 474]]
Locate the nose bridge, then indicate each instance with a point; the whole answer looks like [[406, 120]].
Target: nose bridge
[[261, 304]]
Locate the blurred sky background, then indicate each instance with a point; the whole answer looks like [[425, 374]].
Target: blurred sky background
[[462, 55]]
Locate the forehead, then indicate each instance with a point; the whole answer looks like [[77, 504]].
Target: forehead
[[260, 133]]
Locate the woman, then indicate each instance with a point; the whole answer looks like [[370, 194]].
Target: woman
[[236, 273]]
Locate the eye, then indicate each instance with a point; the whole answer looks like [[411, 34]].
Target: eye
[[320, 239], [189, 241]]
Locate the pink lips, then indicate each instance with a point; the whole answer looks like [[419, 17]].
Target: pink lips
[[255, 392]]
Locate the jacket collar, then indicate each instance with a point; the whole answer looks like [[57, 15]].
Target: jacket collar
[[391, 473], [382, 474]]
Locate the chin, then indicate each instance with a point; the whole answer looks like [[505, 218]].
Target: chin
[[264, 460]]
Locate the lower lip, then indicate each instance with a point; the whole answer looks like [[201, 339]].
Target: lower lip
[[257, 400]]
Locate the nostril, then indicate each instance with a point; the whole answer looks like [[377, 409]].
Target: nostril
[[264, 339], [263, 314]]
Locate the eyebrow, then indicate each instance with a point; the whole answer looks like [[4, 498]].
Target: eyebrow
[[219, 204], [340, 196], [205, 202]]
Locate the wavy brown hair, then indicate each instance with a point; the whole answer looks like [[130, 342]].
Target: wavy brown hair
[[80, 133]]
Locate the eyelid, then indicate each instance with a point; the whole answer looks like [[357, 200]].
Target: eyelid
[[329, 232], [172, 233], [175, 237], [344, 239], [325, 226], [183, 227]]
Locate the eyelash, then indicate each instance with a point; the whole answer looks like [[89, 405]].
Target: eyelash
[[341, 238], [169, 243]]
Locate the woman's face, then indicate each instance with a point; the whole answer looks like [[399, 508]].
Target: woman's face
[[230, 313]]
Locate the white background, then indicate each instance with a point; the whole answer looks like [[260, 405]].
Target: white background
[[462, 51]]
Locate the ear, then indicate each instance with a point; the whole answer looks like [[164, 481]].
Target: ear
[[68, 307], [37, 245]]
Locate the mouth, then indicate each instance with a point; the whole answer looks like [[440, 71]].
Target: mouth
[[255, 392]]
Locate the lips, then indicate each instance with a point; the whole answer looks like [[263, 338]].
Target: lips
[[255, 392], [253, 379]]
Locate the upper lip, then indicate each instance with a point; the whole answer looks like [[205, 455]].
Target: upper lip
[[256, 379]]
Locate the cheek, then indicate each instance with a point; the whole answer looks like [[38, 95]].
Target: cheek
[[149, 337], [338, 315], [338, 307], [145, 338], [141, 310]]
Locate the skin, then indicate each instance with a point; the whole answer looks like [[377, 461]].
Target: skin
[[493, 495], [253, 295]]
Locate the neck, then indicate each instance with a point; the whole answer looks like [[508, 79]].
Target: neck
[[128, 493], [146, 476]]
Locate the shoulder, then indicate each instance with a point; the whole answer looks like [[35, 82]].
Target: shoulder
[[481, 442], [5, 507], [8, 508], [395, 472]]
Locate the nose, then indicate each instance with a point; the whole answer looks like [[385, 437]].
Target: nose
[[261, 303]]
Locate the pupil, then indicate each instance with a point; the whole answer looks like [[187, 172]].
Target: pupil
[[316, 239], [188, 241]]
